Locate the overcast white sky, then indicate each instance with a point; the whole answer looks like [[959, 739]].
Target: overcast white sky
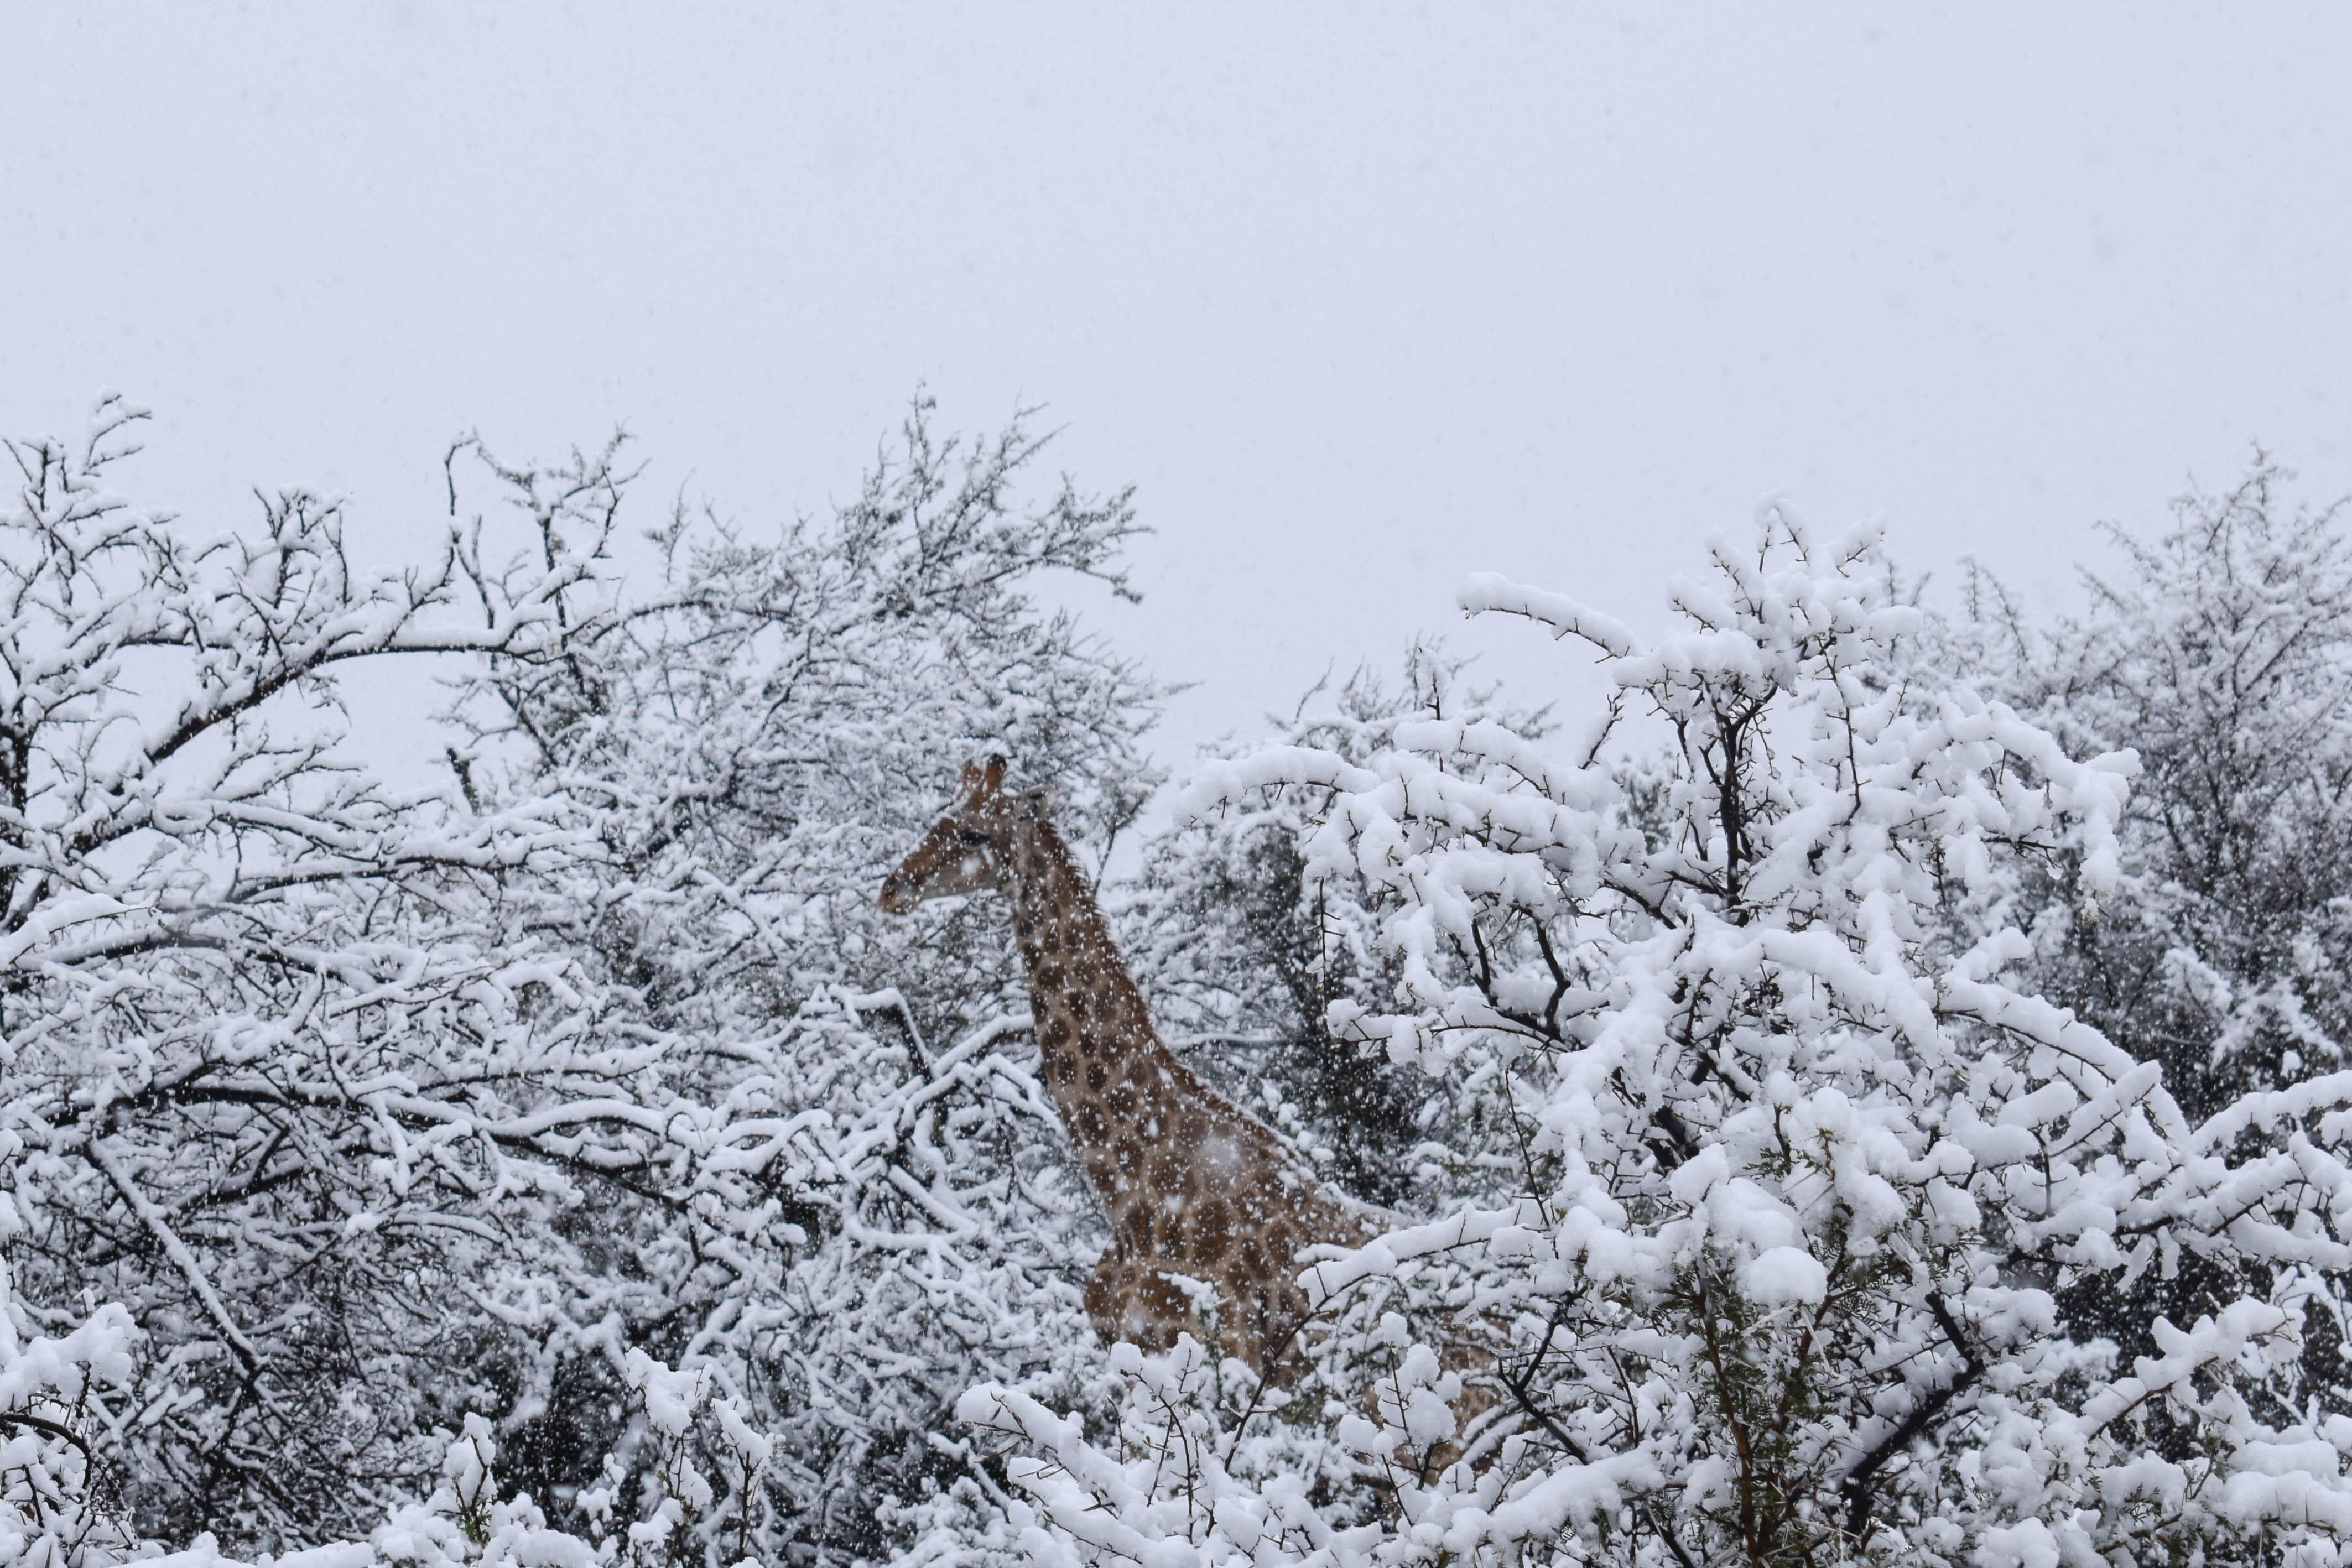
[[1363, 298]]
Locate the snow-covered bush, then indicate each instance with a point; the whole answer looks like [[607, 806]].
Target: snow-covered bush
[[379, 1107], [60, 1504], [55, 1511], [753, 740], [283, 1072], [2220, 652], [1242, 956], [1800, 1171]]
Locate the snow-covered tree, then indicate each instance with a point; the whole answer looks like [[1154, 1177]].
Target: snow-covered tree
[[2220, 653], [754, 740], [1243, 955], [773, 718], [1799, 1168], [377, 1108], [261, 1009]]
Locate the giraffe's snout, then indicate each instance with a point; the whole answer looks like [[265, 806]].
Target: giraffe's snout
[[898, 895]]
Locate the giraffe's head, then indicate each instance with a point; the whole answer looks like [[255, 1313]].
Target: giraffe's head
[[968, 849]]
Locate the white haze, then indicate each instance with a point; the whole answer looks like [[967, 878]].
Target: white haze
[[1362, 299]]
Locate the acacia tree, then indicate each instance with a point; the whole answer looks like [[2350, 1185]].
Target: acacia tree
[[377, 1108], [758, 734], [226, 946], [2222, 654], [753, 740], [1243, 954], [1800, 1168]]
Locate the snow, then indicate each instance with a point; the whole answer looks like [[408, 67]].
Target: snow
[[1774, 1130], [1783, 1276]]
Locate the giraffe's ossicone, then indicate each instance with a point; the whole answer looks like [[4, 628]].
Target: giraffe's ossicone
[[1195, 1186]]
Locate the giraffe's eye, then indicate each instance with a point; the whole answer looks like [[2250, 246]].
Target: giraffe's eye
[[971, 836]]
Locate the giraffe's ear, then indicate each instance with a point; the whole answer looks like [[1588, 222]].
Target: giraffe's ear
[[980, 779], [1035, 803]]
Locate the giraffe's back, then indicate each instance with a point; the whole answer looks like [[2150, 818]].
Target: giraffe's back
[[1210, 1193]]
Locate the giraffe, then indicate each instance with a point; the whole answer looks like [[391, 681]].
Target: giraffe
[[1195, 1185]]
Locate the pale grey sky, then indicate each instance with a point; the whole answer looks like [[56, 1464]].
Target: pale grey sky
[[1363, 298]]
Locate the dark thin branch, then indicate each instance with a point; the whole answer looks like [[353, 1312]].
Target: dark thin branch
[[1860, 1487]]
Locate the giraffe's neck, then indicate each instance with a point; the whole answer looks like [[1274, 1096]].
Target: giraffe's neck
[[1120, 1090]]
